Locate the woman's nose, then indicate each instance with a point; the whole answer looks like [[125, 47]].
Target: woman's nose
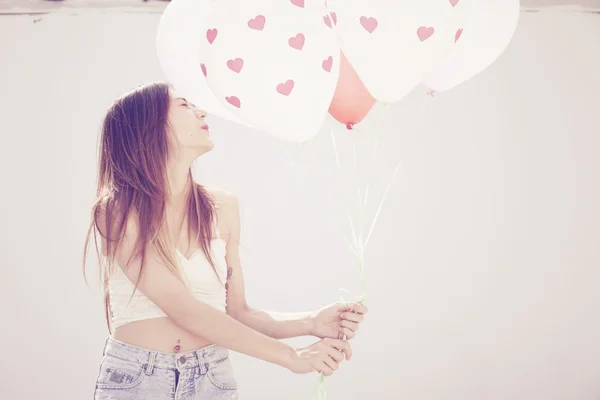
[[200, 113]]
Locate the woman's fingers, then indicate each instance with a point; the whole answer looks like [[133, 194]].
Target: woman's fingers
[[330, 363], [357, 308], [351, 316], [353, 326], [347, 332], [325, 369], [336, 355], [341, 345]]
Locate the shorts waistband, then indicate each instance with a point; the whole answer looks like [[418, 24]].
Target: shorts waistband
[[156, 359]]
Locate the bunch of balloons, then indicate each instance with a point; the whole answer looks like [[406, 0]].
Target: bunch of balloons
[[281, 65]]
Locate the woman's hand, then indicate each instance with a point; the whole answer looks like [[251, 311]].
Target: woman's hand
[[337, 320], [323, 356]]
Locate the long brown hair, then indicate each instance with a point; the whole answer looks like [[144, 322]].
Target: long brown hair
[[132, 185]]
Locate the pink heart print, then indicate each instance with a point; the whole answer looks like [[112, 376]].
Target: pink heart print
[[203, 68], [211, 35], [458, 35], [297, 42], [369, 23], [327, 20], [334, 17], [453, 3], [327, 64], [235, 65], [425, 32], [257, 23], [234, 101], [285, 88], [298, 3]]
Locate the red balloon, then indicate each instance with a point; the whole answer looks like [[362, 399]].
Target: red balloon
[[351, 101]]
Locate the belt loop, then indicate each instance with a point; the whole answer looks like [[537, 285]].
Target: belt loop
[[150, 366], [106, 342], [203, 365]]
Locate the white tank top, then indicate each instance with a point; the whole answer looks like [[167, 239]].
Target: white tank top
[[203, 283]]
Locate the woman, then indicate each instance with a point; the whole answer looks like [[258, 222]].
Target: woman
[[174, 287]]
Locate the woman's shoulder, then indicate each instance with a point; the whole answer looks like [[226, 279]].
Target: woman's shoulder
[[221, 197], [110, 209], [227, 206]]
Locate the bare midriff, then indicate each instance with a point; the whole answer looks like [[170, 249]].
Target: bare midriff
[[159, 334]]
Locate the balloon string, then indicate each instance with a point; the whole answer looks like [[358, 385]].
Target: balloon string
[[355, 249], [353, 231], [286, 152], [321, 393], [379, 207], [358, 247], [337, 156]]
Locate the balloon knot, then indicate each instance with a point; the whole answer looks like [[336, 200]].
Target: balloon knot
[[431, 93], [349, 126]]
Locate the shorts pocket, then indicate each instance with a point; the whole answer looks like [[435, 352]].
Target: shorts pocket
[[119, 374], [220, 374]]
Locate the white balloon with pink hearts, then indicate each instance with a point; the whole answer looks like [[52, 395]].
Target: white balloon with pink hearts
[[487, 35], [177, 39], [273, 63], [393, 44]]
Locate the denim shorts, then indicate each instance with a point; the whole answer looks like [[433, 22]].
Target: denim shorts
[[130, 373]]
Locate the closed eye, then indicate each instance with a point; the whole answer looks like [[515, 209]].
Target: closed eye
[[184, 102]]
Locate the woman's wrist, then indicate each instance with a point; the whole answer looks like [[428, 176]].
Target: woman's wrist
[[285, 355], [310, 323]]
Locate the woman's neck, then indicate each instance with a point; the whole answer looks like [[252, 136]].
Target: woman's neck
[[178, 183]]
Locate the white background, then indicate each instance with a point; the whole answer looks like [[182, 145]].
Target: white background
[[482, 271]]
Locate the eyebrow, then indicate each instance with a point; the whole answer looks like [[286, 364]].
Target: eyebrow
[[186, 101]]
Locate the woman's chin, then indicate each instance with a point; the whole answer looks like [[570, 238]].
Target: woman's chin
[[206, 146]]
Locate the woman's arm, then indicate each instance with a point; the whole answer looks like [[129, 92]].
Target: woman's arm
[[273, 324]]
